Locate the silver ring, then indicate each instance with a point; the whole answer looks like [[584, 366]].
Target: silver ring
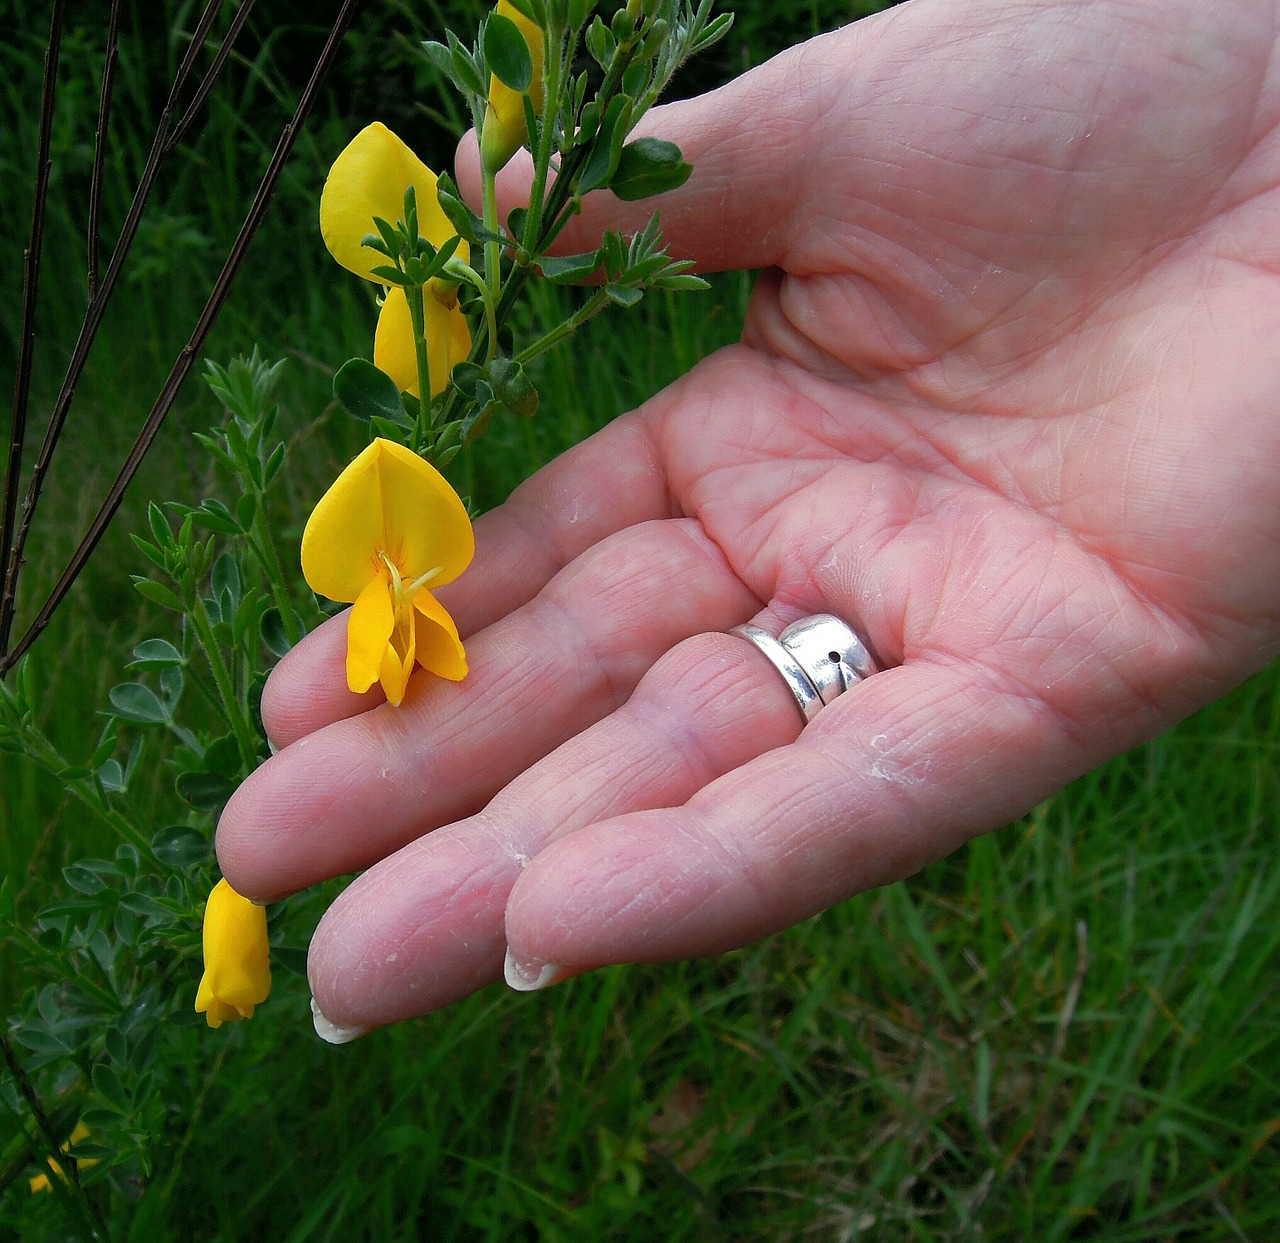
[[819, 658]]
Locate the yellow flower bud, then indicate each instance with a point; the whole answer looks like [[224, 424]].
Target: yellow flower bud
[[237, 959], [504, 128]]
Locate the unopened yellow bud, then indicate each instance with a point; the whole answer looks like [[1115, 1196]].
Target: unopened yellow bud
[[505, 129]]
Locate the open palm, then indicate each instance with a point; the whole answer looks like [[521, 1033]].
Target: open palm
[[1008, 400]]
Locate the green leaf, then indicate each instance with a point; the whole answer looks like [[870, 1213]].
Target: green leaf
[[513, 388], [606, 148], [649, 166], [83, 880], [623, 295], [506, 53], [204, 791], [569, 269], [466, 223], [111, 776], [106, 1083], [601, 43], [225, 582], [465, 70], [180, 846], [222, 757], [159, 525], [366, 393], [290, 958], [440, 58], [213, 515], [274, 636], [151, 552], [155, 654], [131, 701], [246, 508]]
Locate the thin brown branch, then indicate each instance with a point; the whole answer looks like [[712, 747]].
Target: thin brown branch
[[206, 85], [110, 56], [186, 358], [15, 546], [11, 544]]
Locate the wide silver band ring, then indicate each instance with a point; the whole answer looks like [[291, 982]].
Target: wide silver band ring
[[819, 657]]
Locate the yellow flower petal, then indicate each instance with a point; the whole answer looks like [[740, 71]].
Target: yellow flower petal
[[237, 958], [397, 657], [448, 341], [505, 128], [387, 502], [40, 1182], [368, 632], [369, 179], [439, 649]]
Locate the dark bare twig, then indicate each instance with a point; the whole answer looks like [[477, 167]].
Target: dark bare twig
[[70, 1166], [100, 146], [11, 544], [14, 546], [186, 358], [206, 84]]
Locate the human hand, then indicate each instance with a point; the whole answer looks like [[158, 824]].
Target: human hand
[[1007, 400]]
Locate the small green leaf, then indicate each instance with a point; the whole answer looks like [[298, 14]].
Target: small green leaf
[[213, 515], [155, 654], [181, 846], [649, 166], [83, 880], [623, 295], [465, 70], [465, 222], [365, 393], [274, 636], [606, 148], [131, 701], [569, 269], [111, 776], [506, 53], [600, 43], [204, 791], [246, 508], [222, 757], [159, 525], [106, 1083]]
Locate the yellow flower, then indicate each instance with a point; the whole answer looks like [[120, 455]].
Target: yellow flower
[[41, 1181], [237, 967], [505, 128], [369, 179], [389, 526]]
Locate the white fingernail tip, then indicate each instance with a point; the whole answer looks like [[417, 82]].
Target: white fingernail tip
[[528, 977], [331, 1032]]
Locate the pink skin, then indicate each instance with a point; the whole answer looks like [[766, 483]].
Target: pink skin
[[1008, 396]]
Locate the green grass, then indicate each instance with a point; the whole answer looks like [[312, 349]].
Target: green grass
[[1067, 1030]]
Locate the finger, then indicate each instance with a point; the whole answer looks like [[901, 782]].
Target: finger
[[351, 793], [425, 927], [891, 776], [753, 144], [609, 482]]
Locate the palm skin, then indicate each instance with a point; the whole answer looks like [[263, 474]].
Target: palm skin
[[1008, 398]]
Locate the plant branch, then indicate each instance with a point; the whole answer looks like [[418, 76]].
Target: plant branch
[[109, 58], [10, 543], [186, 357], [15, 545]]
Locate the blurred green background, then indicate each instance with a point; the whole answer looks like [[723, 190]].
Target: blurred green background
[[1067, 1030]]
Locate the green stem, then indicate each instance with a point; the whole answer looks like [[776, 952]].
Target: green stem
[[492, 253], [463, 271], [246, 739], [592, 307], [264, 548], [418, 316]]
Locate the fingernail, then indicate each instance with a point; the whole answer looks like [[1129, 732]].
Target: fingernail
[[331, 1032], [526, 976]]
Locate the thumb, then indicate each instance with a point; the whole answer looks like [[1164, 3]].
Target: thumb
[[752, 144]]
